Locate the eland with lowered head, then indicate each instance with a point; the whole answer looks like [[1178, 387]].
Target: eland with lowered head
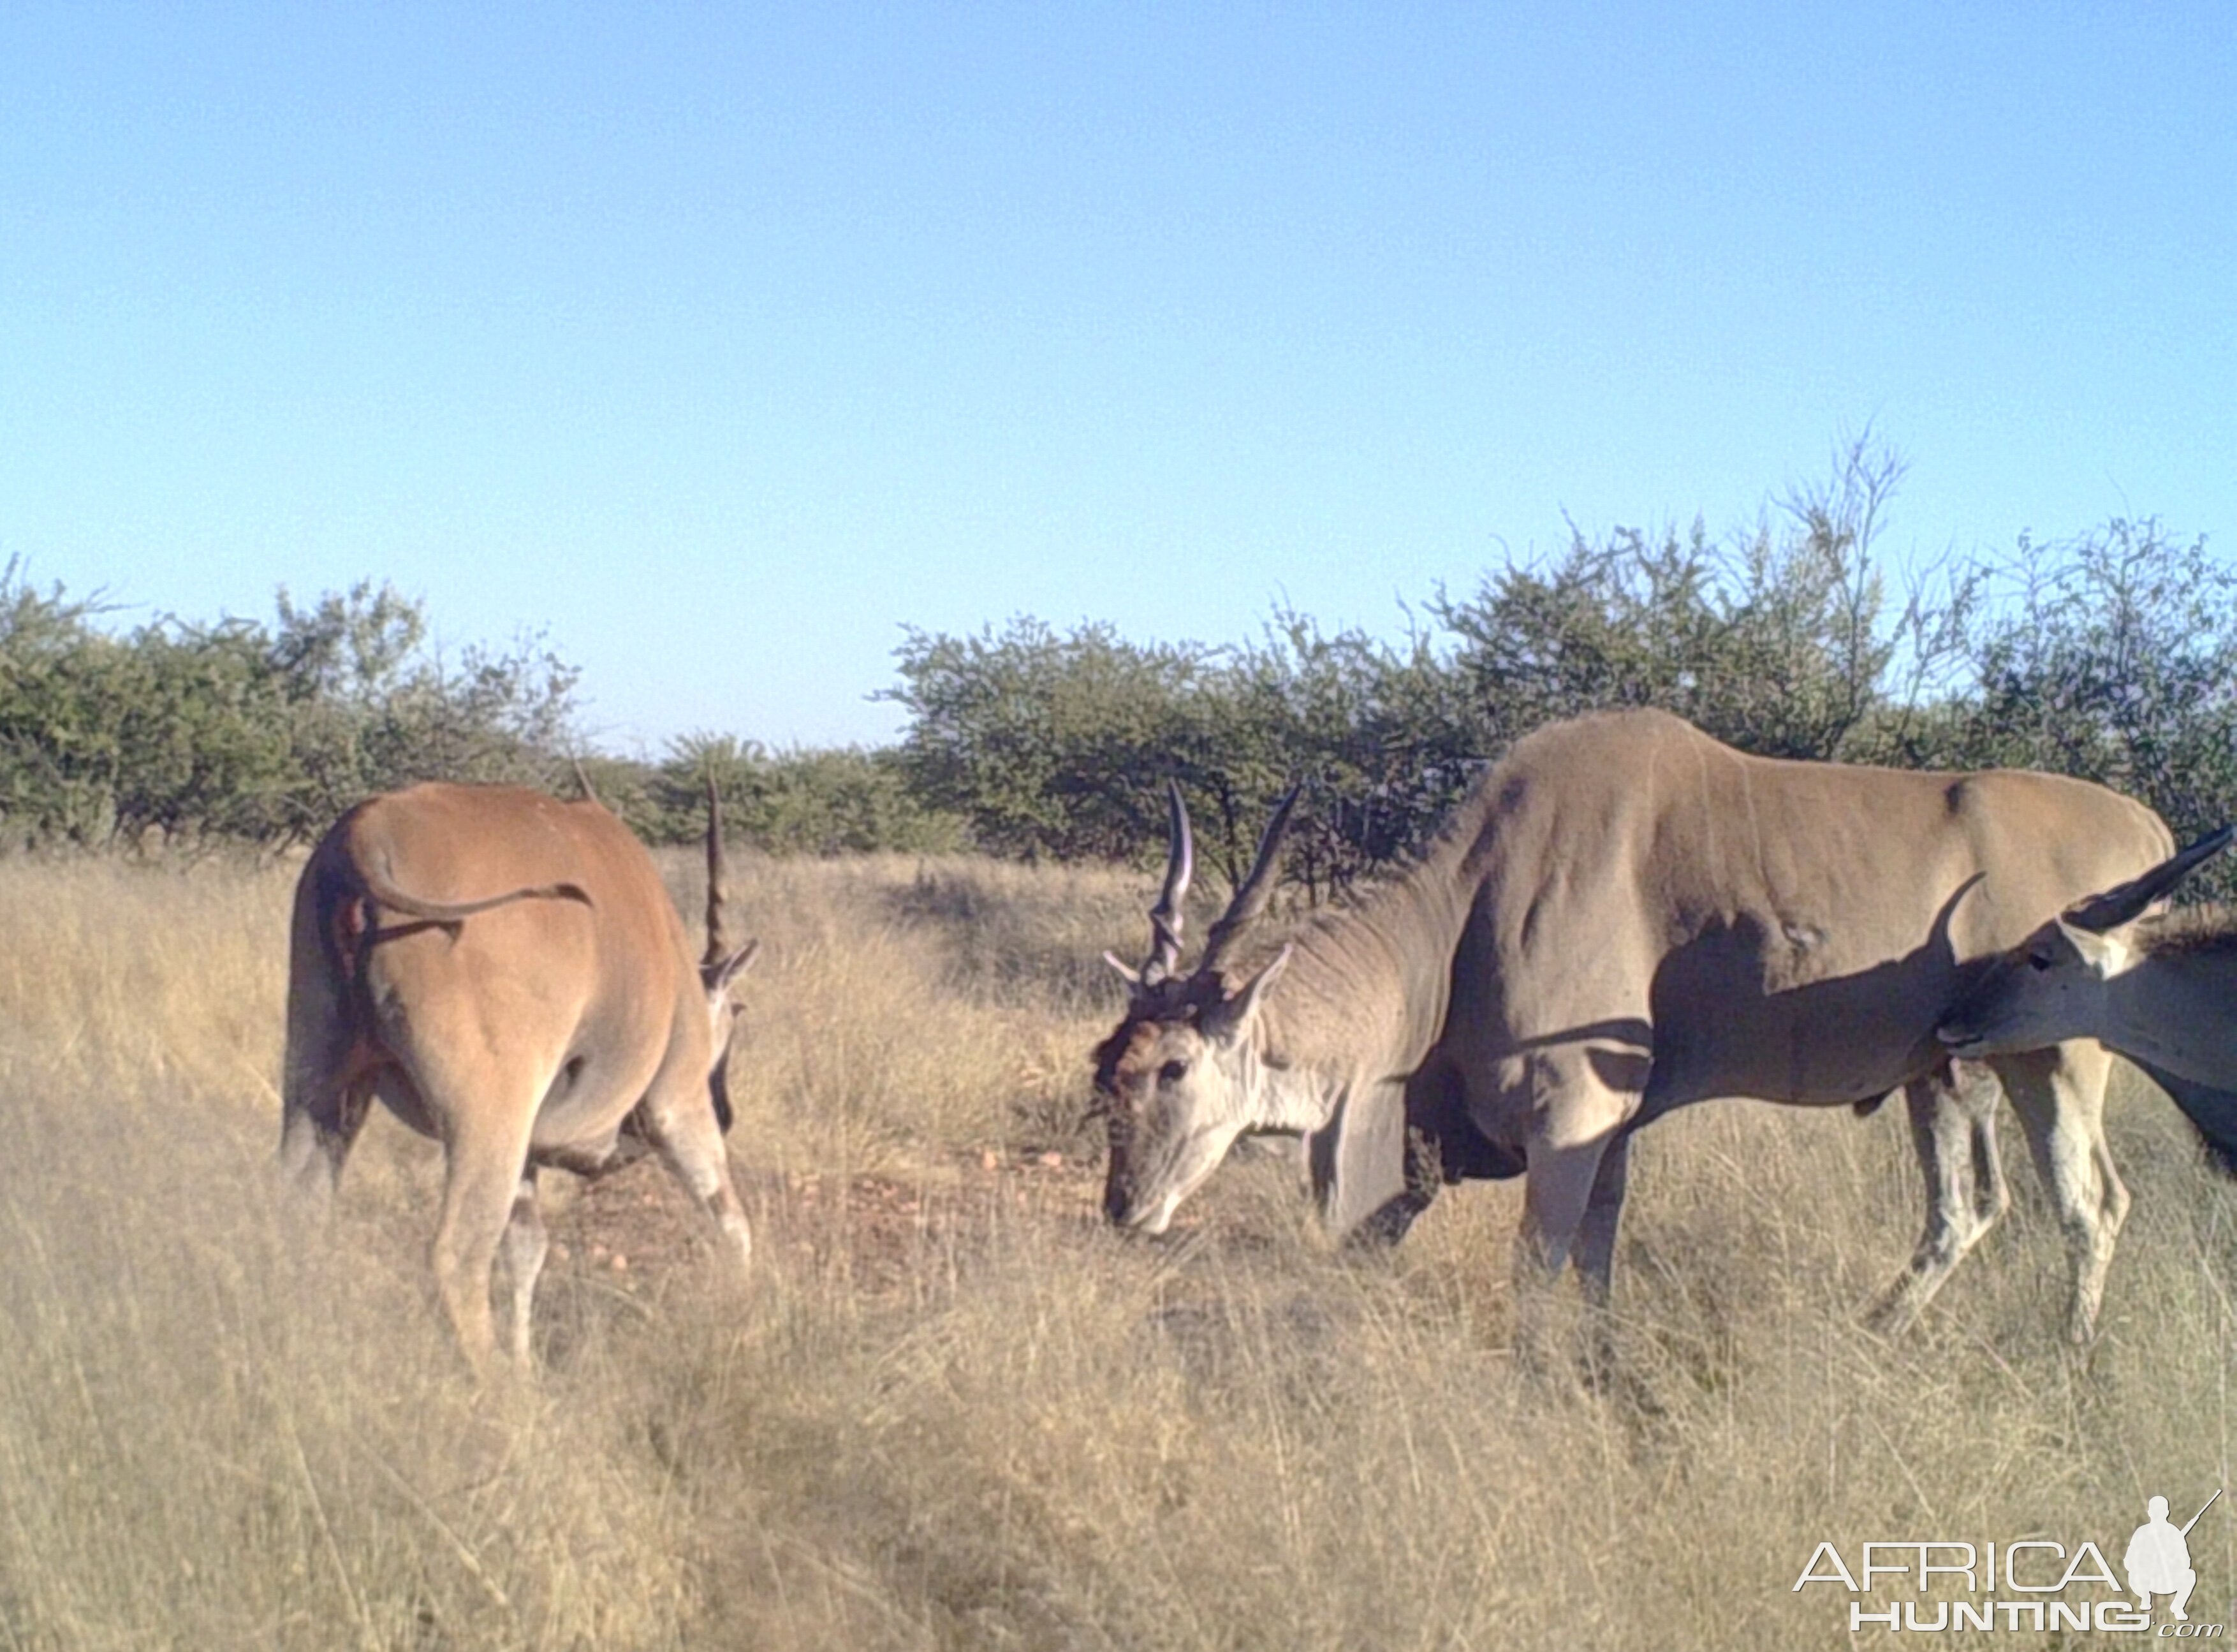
[[506, 974], [1624, 917]]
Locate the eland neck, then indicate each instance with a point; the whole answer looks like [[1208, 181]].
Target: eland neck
[[1364, 998]]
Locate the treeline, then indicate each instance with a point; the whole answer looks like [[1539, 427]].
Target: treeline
[[240, 730], [2112, 656], [188, 735]]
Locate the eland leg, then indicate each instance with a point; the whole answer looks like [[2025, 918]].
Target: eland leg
[[1580, 1099], [326, 1083], [2060, 1094], [680, 1123], [1555, 1200], [1554, 1204], [1991, 1198], [1953, 1133], [320, 1122], [1578, 1112], [526, 1243], [1596, 1234], [480, 1095], [1596, 1239], [485, 1160]]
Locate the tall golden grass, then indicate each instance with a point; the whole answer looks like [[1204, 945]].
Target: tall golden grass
[[950, 1410]]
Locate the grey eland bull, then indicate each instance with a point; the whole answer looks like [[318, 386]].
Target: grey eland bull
[[506, 973], [1624, 917], [2160, 988]]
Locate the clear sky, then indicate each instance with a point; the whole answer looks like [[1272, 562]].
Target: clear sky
[[718, 342]]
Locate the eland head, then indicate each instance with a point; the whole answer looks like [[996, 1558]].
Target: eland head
[[2052, 986], [1185, 1074]]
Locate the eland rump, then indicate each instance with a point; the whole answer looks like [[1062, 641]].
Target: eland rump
[[2159, 988], [1626, 917], [506, 973]]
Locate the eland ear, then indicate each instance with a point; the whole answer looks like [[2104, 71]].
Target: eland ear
[[2097, 950], [718, 976], [1243, 1004]]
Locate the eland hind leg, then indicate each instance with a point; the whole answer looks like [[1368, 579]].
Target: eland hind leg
[[1953, 1133], [2060, 1095], [480, 1091], [327, 1090], [484, 1160], [1596, 1240], [1596, 1232], [526, 1243], [327, 1073], [319, 1124]]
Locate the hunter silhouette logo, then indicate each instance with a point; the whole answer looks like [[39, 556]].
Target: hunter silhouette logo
[[2158, 1561]]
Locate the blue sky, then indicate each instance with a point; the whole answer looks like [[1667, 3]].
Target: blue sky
[[718, 343]]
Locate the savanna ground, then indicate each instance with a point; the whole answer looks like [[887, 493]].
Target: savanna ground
[[951, 1410]]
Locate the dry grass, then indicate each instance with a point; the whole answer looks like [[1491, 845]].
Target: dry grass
[[951, 1411]]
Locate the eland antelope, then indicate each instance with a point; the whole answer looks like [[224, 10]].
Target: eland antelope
[[506, 973], [1626, 917], [2161, 989]]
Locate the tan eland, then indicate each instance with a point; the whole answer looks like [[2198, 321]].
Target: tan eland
[[2160, 988], [506, 973], [1624, 917]]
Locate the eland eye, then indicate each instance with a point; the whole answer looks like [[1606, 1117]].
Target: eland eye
[[2039, 961], [1172, 1072]]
